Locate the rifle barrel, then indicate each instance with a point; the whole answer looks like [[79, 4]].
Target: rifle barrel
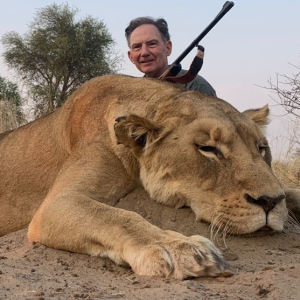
[[226, 7]]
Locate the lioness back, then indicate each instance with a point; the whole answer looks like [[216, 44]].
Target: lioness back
[[32, 155]]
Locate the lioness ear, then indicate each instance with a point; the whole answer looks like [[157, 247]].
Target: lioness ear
[[134, 132], [259, 116]]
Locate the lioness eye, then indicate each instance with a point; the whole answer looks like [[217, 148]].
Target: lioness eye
[[262, 151], [209, 151]]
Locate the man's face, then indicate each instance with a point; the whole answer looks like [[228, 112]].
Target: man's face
[[148, 51]]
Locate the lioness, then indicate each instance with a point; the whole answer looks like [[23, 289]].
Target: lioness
[[64, 173]]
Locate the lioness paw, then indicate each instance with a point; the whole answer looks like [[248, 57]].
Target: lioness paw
[[183, 258]]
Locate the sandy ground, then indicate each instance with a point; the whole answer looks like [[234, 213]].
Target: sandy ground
[[265, 266]]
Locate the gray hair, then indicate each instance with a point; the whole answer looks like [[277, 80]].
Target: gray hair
[[161, 24]]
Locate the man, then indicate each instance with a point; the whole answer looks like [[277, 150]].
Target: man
[[150, 46]]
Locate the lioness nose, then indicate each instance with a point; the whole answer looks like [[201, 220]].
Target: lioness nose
[[266, 202]]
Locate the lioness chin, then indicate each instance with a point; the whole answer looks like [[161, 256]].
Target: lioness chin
[[64, 173]]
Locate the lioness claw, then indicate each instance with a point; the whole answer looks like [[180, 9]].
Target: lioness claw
[[226, 273], [179, 258]]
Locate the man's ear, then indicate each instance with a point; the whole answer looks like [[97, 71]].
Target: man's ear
[[129, 56], [169, 48], [135, 132]]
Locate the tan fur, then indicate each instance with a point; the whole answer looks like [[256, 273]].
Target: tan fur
[[64, 173]]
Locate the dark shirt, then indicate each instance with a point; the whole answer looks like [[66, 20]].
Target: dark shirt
[[198, 84]]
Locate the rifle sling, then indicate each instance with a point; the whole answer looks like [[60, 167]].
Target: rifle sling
[[194, 69]]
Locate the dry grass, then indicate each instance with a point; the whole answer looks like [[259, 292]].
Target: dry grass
[[288, 172], [286, 166]]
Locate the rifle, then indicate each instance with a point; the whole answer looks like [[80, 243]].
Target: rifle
[[175, 67]]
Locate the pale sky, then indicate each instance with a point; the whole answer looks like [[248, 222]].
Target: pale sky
[[253, 42]]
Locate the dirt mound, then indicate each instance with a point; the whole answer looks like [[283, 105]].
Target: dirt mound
[[265, 267]]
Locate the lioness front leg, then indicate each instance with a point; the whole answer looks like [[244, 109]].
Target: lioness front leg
[[74, 222]]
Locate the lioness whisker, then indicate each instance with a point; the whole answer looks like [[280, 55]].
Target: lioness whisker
[[228, 233], [215, 226], [294, 224], [293, 217], [218, 226], [224, 235], [214, 217]]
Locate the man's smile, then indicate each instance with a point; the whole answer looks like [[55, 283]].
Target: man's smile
[[147, 61]]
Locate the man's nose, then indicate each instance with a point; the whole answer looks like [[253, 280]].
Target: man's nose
[[144, 50]]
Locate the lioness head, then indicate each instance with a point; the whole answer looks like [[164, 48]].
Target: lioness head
[[205, 154]]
